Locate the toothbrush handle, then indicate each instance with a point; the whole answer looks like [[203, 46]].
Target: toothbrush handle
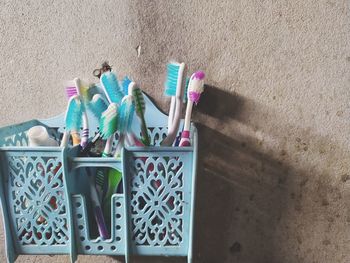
[[185, 139], [188, 115], [84, 138], [102, 229], [185, 135], [76, 137], [64, 141], [90, 144], [135, 141], [119, 146], [171, 113], [85, 135], [99, 182], [108, 147], [144, 131]]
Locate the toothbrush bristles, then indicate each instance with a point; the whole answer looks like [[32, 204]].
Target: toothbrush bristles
[[71, 91]]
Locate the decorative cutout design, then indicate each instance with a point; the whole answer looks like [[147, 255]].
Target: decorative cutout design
[[157, 134], [18, 139], [157, 196], [39, 205]]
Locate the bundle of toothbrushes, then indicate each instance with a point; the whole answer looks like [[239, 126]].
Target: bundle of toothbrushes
[[115, 103]]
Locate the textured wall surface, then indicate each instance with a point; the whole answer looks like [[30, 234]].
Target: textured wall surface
[[274, 171]]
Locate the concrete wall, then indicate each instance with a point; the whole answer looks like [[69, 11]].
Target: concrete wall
[[274, 172]]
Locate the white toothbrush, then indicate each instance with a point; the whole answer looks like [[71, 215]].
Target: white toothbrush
[[195, 89]]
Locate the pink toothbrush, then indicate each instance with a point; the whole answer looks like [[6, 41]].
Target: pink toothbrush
[[195, 89]]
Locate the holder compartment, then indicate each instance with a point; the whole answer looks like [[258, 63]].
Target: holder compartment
[[158, 187], [36, 202]]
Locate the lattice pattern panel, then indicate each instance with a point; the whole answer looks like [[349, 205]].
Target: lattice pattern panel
[[38, 202], [157, 200], [18, 139], [157, 135]]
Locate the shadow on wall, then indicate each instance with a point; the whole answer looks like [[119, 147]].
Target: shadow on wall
[[241, 192]]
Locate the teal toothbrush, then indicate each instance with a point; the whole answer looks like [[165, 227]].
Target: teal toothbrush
[[98, 105], [125, 117], [108, 126], [73, 118], [176, 81]]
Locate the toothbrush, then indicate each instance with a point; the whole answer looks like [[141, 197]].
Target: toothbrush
[[125, 117], [108, 126], [140, 108], [72, 118], [73, 121], [175, 82], [125, 84], [102, 228], [98, 105], [111, 87], [85, 134], [114, 94], [186, 89], [195, 89], [178, 138], [170, 91], [72, 90], [97, 210]]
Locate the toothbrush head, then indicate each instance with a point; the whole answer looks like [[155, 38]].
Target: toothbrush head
[[126, 114], [75, 87], [139, 101], [200, 75], [172, 78], [98, 105], [125, 84], [70, 89], [74, 112], [82, 89], [109, 121], [196, 86], [111, 87], [186, 89]]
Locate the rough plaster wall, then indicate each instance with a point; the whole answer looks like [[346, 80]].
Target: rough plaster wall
[[274, 172]]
